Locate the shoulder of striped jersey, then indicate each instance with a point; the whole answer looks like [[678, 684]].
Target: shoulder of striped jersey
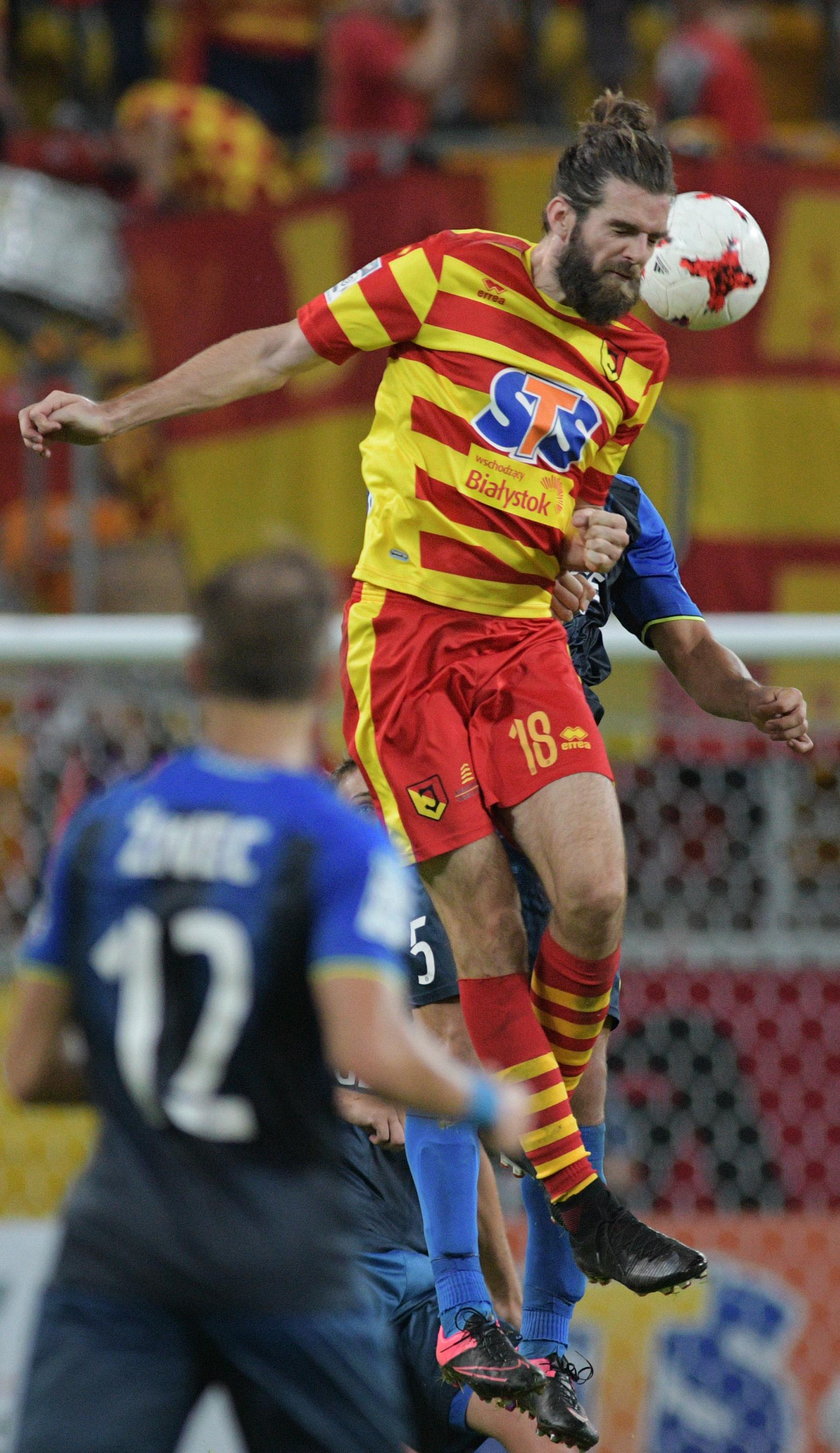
[[466, 240], [634, 326], [633, 336], [483, 250]]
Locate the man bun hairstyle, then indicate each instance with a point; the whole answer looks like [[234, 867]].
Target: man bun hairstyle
[[265, 625], [617, 139]]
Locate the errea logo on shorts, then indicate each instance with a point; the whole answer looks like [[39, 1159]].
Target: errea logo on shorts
[[574, 738], [355, 277], [538, 421]]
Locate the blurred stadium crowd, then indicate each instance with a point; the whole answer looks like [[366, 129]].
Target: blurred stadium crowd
[[190, 103]]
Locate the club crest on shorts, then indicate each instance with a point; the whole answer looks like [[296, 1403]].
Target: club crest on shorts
[[428, 798]]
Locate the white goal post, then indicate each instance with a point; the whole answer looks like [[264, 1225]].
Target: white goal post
[[132, 638]]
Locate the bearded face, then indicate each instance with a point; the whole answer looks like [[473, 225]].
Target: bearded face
[[601, 294]]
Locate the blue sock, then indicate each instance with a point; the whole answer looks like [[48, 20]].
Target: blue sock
[[444, 1164], [553, 1284]]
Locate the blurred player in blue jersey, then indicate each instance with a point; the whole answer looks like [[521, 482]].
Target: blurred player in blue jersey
[[221, 929], [646, 594]]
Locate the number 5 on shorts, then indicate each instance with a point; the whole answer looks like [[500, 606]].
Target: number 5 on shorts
[[420, 949]]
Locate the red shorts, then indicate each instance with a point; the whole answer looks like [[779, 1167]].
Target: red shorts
[[450, 714]]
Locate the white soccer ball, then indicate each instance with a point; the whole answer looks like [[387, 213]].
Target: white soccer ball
[[712, 268]]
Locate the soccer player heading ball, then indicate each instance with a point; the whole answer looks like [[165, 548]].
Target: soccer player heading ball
[[514, 385]]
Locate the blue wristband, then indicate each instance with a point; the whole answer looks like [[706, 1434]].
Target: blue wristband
[[483, 1106]]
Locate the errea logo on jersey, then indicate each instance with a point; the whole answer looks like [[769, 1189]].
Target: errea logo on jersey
[[535, 420], [492, 292]]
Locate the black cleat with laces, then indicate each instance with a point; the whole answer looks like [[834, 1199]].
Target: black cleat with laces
[[480, 1355], [612, 1245], [559, 1413]]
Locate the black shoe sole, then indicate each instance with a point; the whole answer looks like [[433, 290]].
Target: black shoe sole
[[570, 1437], [569, 1440], [668, 1287], [579, 1440], [503, 1393]]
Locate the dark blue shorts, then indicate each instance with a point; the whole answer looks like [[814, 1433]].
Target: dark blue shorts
[[432, 967], [112, 1376]]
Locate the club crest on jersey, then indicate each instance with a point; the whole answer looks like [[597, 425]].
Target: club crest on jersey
[[532, 419], [612, 361]]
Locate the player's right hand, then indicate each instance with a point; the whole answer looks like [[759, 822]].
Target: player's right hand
[[782, 714], [62, 418], [596, 541]]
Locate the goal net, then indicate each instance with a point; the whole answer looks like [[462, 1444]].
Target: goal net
[[731, 981]]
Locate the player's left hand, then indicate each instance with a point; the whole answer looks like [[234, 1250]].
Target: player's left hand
[[597, 540], [782, 714], [571, 594], [386, 1126]]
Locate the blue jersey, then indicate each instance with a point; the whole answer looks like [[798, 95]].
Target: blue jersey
[[191, 908], [642, 589]]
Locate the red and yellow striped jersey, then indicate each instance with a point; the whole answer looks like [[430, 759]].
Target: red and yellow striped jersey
[[499, 410]]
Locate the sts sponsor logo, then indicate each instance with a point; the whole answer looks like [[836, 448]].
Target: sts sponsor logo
[[531, 419]]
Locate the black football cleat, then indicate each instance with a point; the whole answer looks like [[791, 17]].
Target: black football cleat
[[616, 1246], [518, 1162], [479, 1355], [560, 1415]]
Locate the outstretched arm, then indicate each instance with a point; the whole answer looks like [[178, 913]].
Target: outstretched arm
[[430, 61], [720, 683], [245, 364]]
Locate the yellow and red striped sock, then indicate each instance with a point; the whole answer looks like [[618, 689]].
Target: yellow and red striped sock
[[571, 997], [507, 1038]]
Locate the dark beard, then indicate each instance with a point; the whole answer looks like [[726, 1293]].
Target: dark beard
[[598, 297]]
